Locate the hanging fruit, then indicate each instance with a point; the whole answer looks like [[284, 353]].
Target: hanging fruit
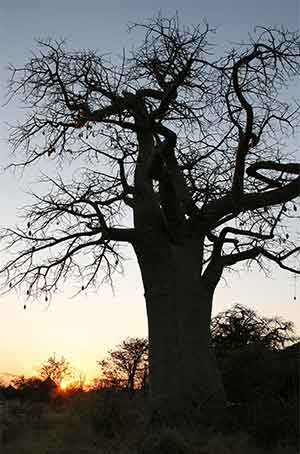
[[51, 150]]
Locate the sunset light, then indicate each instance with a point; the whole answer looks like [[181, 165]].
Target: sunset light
[[149, 232], [63, 385]]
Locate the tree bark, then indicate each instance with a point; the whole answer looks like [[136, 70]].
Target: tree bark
[[185, 382]]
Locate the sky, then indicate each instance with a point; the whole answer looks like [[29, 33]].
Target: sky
[[84, 328]]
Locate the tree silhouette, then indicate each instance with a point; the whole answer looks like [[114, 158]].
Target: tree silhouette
[[181, 156], [126, 365], [240, 326], [56, 369], [250, 349]]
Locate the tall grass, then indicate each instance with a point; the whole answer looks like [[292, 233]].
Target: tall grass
[[106, 422]]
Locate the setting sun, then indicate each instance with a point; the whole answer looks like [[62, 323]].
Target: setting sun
[[63, 385], [149, 232]]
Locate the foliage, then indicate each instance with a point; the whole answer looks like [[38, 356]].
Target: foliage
[[240, 326], [232, 444], [78, 381], [32, 389], [166, 441], [101, 423], [126, 366], [56, 369], [249, 349], [22, 383]]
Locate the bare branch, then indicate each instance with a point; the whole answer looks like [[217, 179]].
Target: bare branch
[[173, 144]]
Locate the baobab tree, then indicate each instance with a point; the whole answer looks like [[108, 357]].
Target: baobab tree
[[180, 155]]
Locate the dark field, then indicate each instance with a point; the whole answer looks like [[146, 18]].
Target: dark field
[[108, 422]]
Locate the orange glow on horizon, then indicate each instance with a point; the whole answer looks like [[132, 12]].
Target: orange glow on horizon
[[63, 385]]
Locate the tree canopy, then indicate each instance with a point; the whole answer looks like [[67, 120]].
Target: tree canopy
[[251, 352], [213, 157], [240, 326], [56, 369], [126, 366]]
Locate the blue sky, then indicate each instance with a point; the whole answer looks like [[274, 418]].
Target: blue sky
[[82, 329]]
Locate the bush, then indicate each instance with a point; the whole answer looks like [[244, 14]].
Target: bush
[[275, 423], [270, 422], [231, 444], [167, 441], [116, 415]]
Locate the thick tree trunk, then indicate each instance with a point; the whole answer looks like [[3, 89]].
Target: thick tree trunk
[[184, 378]]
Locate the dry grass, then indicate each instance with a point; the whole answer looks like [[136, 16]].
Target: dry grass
[[85, 425], [111, 423]]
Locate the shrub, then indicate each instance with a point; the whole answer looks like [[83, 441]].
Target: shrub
[[231, 444], [167, 441]]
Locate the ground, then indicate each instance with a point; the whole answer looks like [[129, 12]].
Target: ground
[[113, 423]]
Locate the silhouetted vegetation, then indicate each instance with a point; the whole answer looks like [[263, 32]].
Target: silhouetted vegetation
[[251, 351], [126, 366], [239, 327], [260, 372], [180, 156], [106, 421], [35, 389], [56, 369], [259, 359]]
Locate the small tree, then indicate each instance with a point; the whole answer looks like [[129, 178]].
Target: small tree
[[56, 369], [126, 365], [78, 381]]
